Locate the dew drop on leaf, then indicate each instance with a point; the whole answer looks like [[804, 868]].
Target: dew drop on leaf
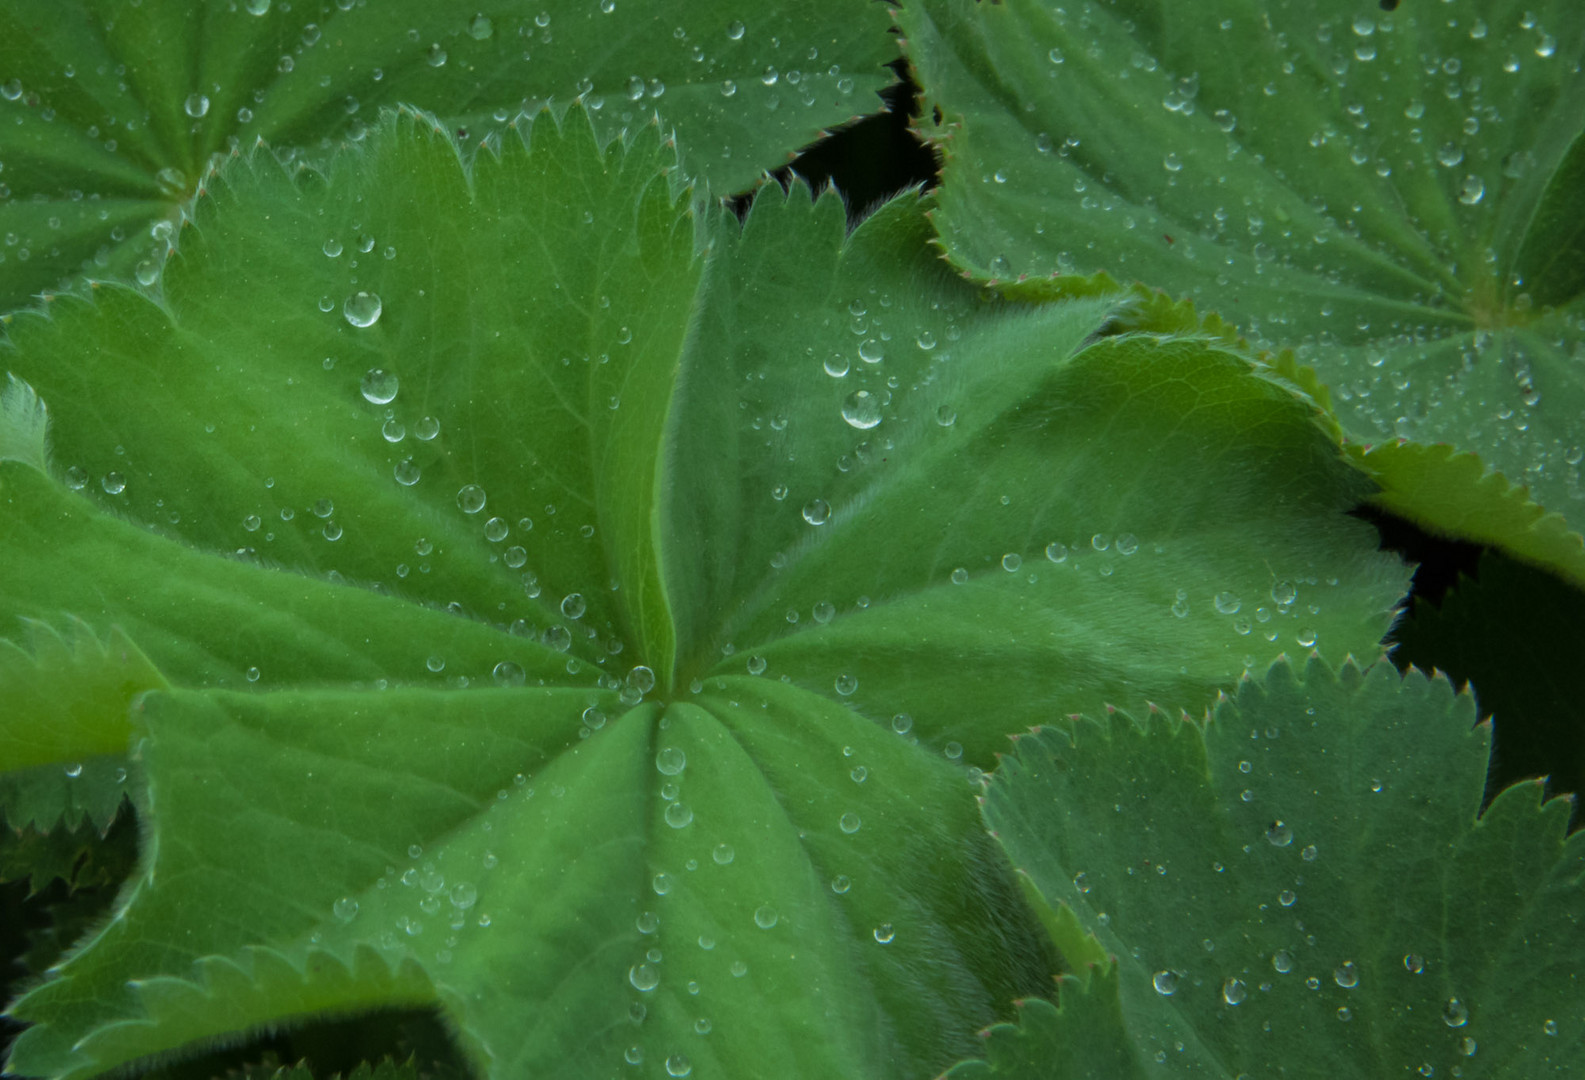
[[678, 816], [345, 909], [379, 386], [507, 673], [678, 1065], [1279, 834], [481, 27], [1346, 975], [671, 761], [849, 822], [1233, 991], [643, 977], [363, 309], [1165, 982], [765, 917], [470, 498], [573, 605], [846, 684], [1455, 1013], [862, 410], [723, 854], [817, 511], [196, 105], [885, 934]]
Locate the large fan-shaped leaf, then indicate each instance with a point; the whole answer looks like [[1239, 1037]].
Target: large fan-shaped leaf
[[1395, 195], [695, 591]]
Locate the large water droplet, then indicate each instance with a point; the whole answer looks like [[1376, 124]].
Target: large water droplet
[[470, 498], [362, 308], [507, 673], [817, 511], [670, 761], [765, 917], [1346, 975], [1165, 982], [862, 410], [1455, 1013], [573, 605], [345, 909], [196, 105], [1278, 834], [644, 977], [678, 816]]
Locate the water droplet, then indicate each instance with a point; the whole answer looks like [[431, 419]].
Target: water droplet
[[1472, 190], [481, 27], [257, 7], [871, 352], [643, 977], [1284, 593], [671, 760], [1287, 897], [634, 1055], [902, 723], [1057, 551], [678, 816], [960, 576], [345, 909], [884, 934], [1012, 561], [1413, 964], [113, 483], [1346, 975], [765, 917], [678, 1065], [196, 105], [507, 673], [1165, 982], [1227, 603], [756, 665], [723, 854], [841, 884], [436, 55], [1549, 1027], [1233, 991], [817, 511], [1455, 1013], [1282, 961], [735, 30], [849, 822], [407, 472], [862, 410], [470, 498], [1172, 163], [846, 684], [1278, 834], [379, 387], [363, 309], [573, 605], [1305, 637], [1309, 853], [464, 896]]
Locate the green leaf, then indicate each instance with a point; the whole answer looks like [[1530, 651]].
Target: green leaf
[[778, 531], [64, 729], [1302, 886], [1082, 1038], [1452, 494], [1393, 195], [110, 116], [85, 858], [1512, 632]]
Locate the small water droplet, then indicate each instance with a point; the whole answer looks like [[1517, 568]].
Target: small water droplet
[[481, 27], [470, 498], [507, 673], [113, 483], [1282, 961], [1455, 1013], [1165, 982], [678, 816], [849, 822], [1278, 834], [817, 511], [671, 760], [846, 684], [678, 1065], [1346, 975], [196, 105], [407, 472], [885, 934], [345, 909], [862, 410], [643, 977], [765, 917], [1233, 991]]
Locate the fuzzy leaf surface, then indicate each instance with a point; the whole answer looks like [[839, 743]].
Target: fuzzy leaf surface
[[1396, 195], [1302, 886], [110, 115], [658, 599]]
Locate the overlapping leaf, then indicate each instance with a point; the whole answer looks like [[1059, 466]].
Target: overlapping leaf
[[1304, 887], [628, 618], [110, 113], [1395, 195]]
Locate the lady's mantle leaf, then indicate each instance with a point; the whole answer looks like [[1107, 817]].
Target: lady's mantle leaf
[[1396, 195], [693, 585], [1303, 887], [110, 113], [64, 725]]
